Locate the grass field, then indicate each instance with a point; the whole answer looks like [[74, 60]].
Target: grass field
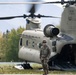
[[9, 69]]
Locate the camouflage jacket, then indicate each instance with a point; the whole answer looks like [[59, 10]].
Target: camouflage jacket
[[45, 52]]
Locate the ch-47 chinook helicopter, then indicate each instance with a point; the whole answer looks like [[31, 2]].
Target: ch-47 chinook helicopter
[[62, 43]]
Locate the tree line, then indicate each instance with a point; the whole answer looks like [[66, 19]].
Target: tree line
[[9, 45]]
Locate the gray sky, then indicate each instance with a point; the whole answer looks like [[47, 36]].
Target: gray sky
[[15, 10]]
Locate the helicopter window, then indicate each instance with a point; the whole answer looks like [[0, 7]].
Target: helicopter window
[[33, 44], [54, 46], [40, 45], [21, 42], [54, 49], [26, 42], [53, 43]]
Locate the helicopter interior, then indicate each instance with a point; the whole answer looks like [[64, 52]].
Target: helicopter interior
[[67, 53], [66, 59]]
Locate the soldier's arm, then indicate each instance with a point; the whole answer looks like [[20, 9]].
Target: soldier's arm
[[49, 52], [40, 53]]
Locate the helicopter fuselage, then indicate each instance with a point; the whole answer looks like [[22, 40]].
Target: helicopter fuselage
[[29, 46], [62, 45]]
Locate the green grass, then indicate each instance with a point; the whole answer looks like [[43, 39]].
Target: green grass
[[9, 69]]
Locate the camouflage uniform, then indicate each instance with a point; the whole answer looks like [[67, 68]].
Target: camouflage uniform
[[44, 57]]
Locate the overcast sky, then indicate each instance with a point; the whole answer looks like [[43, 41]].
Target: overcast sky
[[15, 10]]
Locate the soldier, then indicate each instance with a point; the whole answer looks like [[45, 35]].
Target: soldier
[[44, 56]]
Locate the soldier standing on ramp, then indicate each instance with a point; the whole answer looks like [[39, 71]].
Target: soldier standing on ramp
[[44, 56]]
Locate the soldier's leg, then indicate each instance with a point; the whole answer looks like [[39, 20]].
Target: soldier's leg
[[46, 66], [43, 65]]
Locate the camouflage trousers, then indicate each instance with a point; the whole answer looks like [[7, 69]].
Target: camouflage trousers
[[44, 62]]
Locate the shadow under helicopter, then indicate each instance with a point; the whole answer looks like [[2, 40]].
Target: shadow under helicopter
[[66, 60]]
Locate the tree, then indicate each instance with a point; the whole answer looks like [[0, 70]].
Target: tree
[[12, 41], [2, 49]]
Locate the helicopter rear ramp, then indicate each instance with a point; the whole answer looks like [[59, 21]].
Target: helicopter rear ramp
[[64, 66], [66, 59]]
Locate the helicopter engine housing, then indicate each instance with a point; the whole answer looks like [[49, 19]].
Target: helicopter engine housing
[[50, 30]]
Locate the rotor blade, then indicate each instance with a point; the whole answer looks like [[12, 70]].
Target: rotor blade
[[32, 10], [24, 16], [50, 17], [12, 17], [33, 7], [57, 2], [37, 2], [22, 2], [62, 2], [45, 16]]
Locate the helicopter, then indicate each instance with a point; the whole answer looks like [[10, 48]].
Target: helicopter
[[61, 42]]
